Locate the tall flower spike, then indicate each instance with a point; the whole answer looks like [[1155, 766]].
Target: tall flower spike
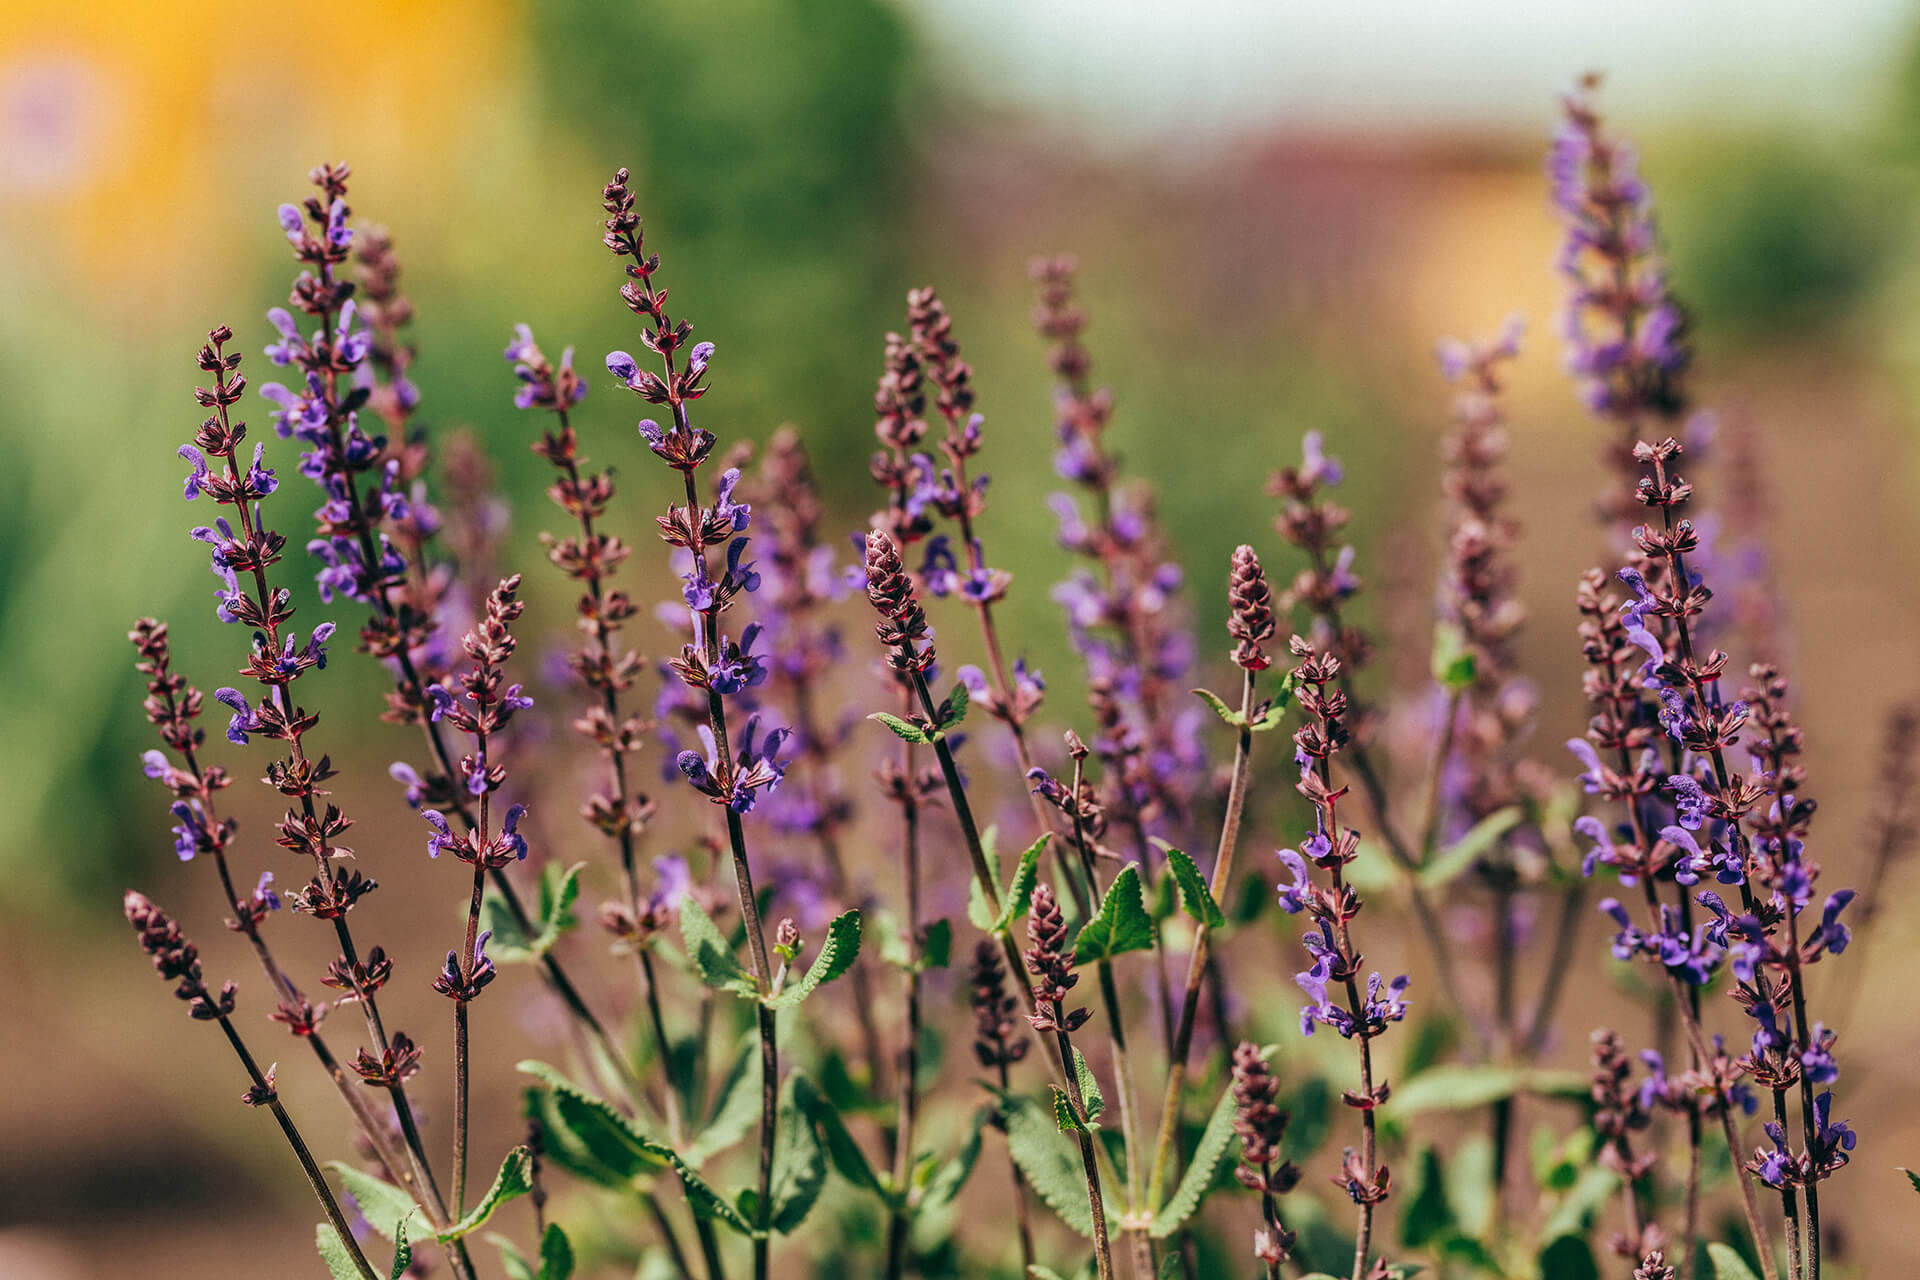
[[903, 623], [1250, 610]]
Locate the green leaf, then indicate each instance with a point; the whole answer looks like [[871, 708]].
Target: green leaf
[[559, 890], [334, 1252], [799, 1165], [514, 1179], [905, 730], [1453, 661], [1569, 1258], [1089, 1087], [1052, 1167], [1220, 708], [512, 1261], [1593, 1186], [510, 944], [710, 952], [842, 1151], [1470, 1186], [1063, 1113], [954, 709], [1170, 1267], [736, 1113], [936, 945], [1469, 848], [947, 1182], [1207, 1155], [1426, 1215], [709, 1204], [835, 958], [1013, 903], [1450, 1088], [1122, 925], [556, 1254], [1912, 1177], [386, 1207], [1727, 1263], [1195, 897], [592, 1138], [1271, 714], [402, 1252]]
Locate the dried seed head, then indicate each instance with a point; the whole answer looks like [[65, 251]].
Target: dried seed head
[[1250, 605]]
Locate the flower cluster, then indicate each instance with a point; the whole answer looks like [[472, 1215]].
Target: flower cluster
[[1260, 1125], [1122, 608]]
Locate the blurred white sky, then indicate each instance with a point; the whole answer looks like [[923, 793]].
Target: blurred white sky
[[1211, 68]]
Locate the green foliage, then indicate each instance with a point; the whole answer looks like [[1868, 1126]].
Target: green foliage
[[1195, 897], [1457, 1088], [947, 1182], [1089, 1087], [1063, 1113], [1425, 1215], [386, 1207], [556, 1256], [588, 1137], [1912, 1177], [935, 951], [799, 1163], [1453, 661], [1017, 895], [334, 1252], [402, 1252], [1049, 1162], [1453, 861], [835, 957], [954, 709], [710, 953], [738, 1110], [905, 730], [1215, 1139], [842, 1151], [513, 1180], [1121, 925], [1569, 1258], [1727, 1263]]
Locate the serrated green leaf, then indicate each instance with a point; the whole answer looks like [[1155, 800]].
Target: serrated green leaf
[[737, 1111], [1195, 897], [1089, 1087], [510, 944], [1122, 924], [1451, 863], [384, 1206], [1453, 661], [1019, 894], [799, 1165], [946, 1183], [1912, 1177], [1569, 1258], [1207, 1155], [402, 1252], [954, 709], [709, 952], [559, 890], [592, 1138], [904, 730], [1050, 1164], [334, 1252], [709, 1204], [513, 1179], [1727, 1263], [977, 909], [835, 957], [842, 1151], [1220, 708], [1063, 1113]]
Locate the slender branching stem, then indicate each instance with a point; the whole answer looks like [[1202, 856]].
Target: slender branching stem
[[908, 1068], [264, 1088]]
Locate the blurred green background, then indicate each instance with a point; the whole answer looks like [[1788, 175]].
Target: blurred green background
[[1276, 215]]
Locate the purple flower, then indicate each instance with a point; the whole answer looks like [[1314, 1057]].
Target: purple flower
[[724, 506], [244, 720], [442, 836], [1832, 936], [1316, 467], [197, 478], [191, 835], [404, 774], [1591, 778], [1294, 897], [439, 701], [510, 831]]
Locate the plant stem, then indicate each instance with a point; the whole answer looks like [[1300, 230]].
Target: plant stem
[[300, 1151], [1019, 1194], [1170, 1105], [908, 1067], [1096, 1202]]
